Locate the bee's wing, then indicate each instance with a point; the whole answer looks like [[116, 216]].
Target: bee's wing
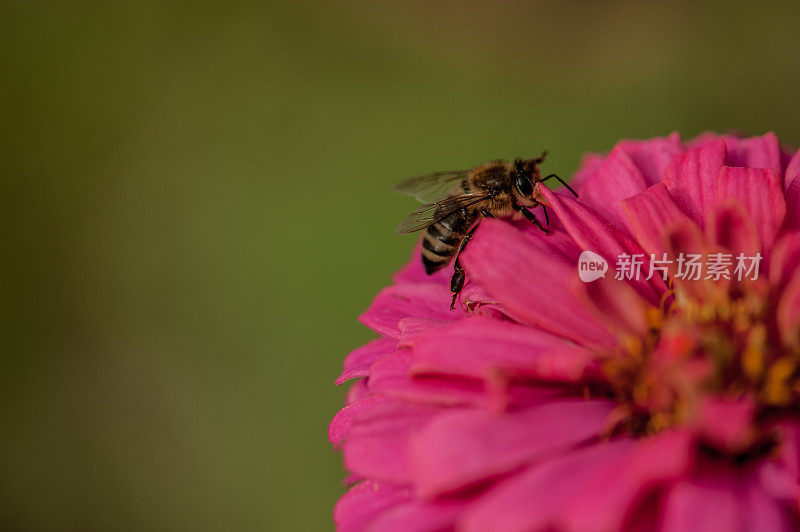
[[431, 187], [438, 210]]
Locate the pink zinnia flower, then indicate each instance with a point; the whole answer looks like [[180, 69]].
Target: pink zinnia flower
[[543, 402]]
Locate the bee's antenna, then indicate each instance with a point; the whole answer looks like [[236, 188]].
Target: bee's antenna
[[540, 159], [562, 182]]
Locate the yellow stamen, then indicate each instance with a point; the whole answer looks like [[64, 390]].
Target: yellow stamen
[[777, 390], [753, 356]]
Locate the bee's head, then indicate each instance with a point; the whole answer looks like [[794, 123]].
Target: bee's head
[[525, 176]]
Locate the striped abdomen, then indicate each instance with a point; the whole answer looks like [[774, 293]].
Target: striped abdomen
[[440, 241]]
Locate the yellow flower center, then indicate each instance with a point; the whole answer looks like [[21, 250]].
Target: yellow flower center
[[724, 345]]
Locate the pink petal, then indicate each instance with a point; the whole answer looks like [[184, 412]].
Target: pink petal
[[558, 242], [729, 225], [687, 239], [754, 152], [419, 516], [702, 506], [761, 193], [616, 179], [423, 300], [652, 156], [727, 423], [592, 233], [788, 314], [617, 305], [412, 327], [377, 444], [779, 476], [531, 281], [478, 347], [357, 363], [364, 502], [793, 205], [723, 500], [792, 170], [649, 213], [591, 489], [358, 390], [462, 449], [784, 261], [475, 300], [343, 420], [691, 178], [762, 512], [391, 376]]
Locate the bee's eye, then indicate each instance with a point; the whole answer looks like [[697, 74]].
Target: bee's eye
[[524, 185]]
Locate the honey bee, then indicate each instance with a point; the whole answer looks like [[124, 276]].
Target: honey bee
[[457, 201]]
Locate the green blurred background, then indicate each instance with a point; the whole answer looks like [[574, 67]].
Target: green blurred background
[[196, 206]]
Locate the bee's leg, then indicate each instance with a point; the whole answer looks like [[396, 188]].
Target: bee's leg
[[457, 280], [562, 182], [456, 283], [544, 210], [531, 217]]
